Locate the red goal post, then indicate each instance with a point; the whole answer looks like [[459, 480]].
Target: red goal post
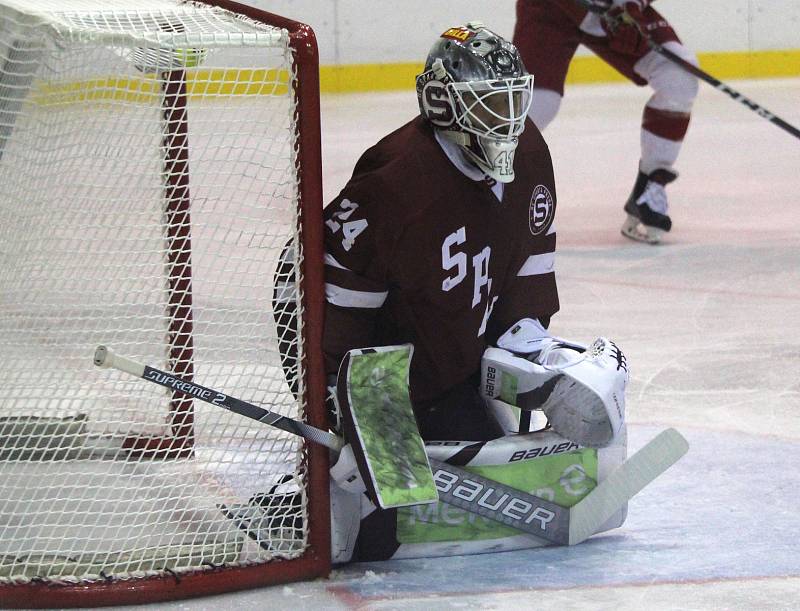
[[154, 176]]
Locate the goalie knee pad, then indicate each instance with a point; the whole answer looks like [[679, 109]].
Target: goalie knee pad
[[581, 393]]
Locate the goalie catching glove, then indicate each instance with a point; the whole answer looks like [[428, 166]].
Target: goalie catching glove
[[580, 390]]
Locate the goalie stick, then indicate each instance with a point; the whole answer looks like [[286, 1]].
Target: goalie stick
[[458, 487]]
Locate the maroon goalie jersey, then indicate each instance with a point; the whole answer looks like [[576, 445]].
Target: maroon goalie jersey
[[417, 252]]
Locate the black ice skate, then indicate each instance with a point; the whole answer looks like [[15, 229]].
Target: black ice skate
[[273, 520], [647, 205]]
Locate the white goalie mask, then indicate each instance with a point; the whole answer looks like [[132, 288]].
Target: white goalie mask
[[476, 92]]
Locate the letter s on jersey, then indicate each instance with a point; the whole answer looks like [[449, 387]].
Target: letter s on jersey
[[480, 264], [457, 260]]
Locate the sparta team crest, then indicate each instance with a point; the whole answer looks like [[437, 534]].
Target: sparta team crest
[[541, 210]]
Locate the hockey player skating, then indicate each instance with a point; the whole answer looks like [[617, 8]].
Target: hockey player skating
[[547, 33], [444, 239]]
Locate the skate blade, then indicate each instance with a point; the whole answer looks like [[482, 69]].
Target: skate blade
[[633, 228]]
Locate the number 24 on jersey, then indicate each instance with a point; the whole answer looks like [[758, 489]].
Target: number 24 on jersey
[[350, 229]]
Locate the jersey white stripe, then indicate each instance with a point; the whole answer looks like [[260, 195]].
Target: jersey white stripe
[[329, 260], [353, 299], [538, 264]]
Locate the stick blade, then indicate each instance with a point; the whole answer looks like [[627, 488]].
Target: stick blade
[[627, 480]]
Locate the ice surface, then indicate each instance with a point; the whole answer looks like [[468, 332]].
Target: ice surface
[[710, 322]]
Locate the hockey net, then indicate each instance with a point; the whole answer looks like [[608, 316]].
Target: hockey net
[[160, 172]]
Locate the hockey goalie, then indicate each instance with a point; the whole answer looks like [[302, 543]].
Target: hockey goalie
[[444, 240]]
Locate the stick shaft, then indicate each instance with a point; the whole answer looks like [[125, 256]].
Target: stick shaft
[[720, 86], [106, 358], [702, 75]]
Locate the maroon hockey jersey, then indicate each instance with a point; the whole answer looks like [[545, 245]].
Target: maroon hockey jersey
[[418, 252]]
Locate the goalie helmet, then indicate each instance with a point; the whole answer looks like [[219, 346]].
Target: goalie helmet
[[476, 92]]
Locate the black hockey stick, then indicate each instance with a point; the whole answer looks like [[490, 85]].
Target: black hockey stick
[[701, 74], [543, 519], [720, 86], [103, 357]]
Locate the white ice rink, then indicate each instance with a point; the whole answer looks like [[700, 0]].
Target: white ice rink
[[710, 322]]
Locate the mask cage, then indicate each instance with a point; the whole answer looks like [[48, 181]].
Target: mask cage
[[493, 109]]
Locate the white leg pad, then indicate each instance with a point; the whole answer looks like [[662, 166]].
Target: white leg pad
[[345, 522]]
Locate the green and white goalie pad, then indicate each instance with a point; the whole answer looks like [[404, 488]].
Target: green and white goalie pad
[[379, 423], [372, 391], [542, 463]]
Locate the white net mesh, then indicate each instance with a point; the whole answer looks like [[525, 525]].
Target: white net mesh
[[149, 186]]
